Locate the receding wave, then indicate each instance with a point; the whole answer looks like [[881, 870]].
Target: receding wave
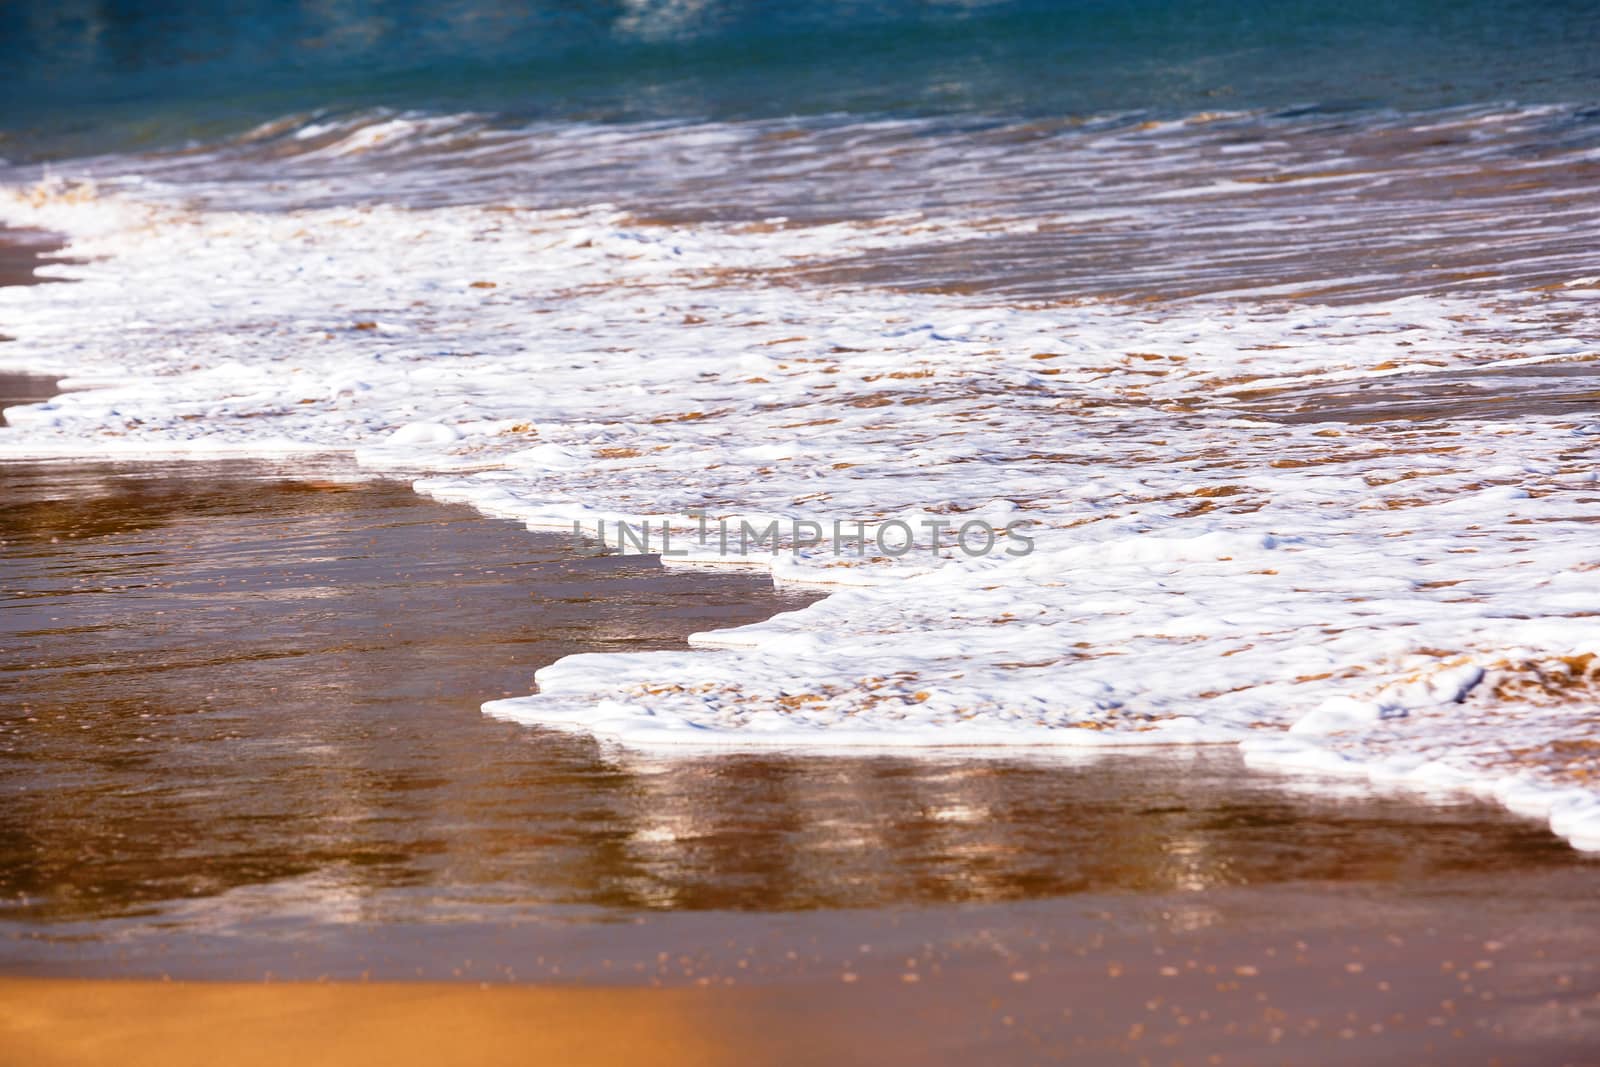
[[1266, 205]]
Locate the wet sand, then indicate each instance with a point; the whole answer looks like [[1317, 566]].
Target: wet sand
[[253, 815], [24, 389], [21, 251], [135, 1024], [1554, 388], [234, 698], [1302, 976], [216, 677], [241, 749]]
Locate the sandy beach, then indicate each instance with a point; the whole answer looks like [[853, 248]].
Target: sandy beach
[[347, 893], [1311, 976], [73, 1023], [702, 531]]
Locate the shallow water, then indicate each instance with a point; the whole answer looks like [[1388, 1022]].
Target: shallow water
[[240, 734], [240, 739], [1506, 392], [215, 677], [229, 693], [1264, 206], [24, 389]]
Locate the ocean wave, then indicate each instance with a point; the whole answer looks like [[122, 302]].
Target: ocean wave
[[1205, 571], [80, 73], [1247, 205]]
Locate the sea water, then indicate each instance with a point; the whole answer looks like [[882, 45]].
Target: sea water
[[1273, 322]]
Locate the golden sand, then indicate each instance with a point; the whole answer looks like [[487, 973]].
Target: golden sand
[[69, 1023]]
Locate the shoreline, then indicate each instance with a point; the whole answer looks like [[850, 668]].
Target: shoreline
[[16, 389], [1284, 757], [744, 535], [23, 251], [325, 840], [1311, 975], [1290, 704]]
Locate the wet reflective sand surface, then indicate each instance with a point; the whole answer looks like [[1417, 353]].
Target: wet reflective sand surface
[[1569, 389], [216, 679], [240, 739], [23, 250], [24, 388]]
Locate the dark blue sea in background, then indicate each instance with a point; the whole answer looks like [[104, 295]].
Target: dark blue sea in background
[[1098, 148], [82, 75]]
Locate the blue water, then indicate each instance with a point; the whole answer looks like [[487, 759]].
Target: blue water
[[83, 76]]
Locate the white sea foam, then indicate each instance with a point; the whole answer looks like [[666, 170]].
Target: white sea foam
[[1391, 599]]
